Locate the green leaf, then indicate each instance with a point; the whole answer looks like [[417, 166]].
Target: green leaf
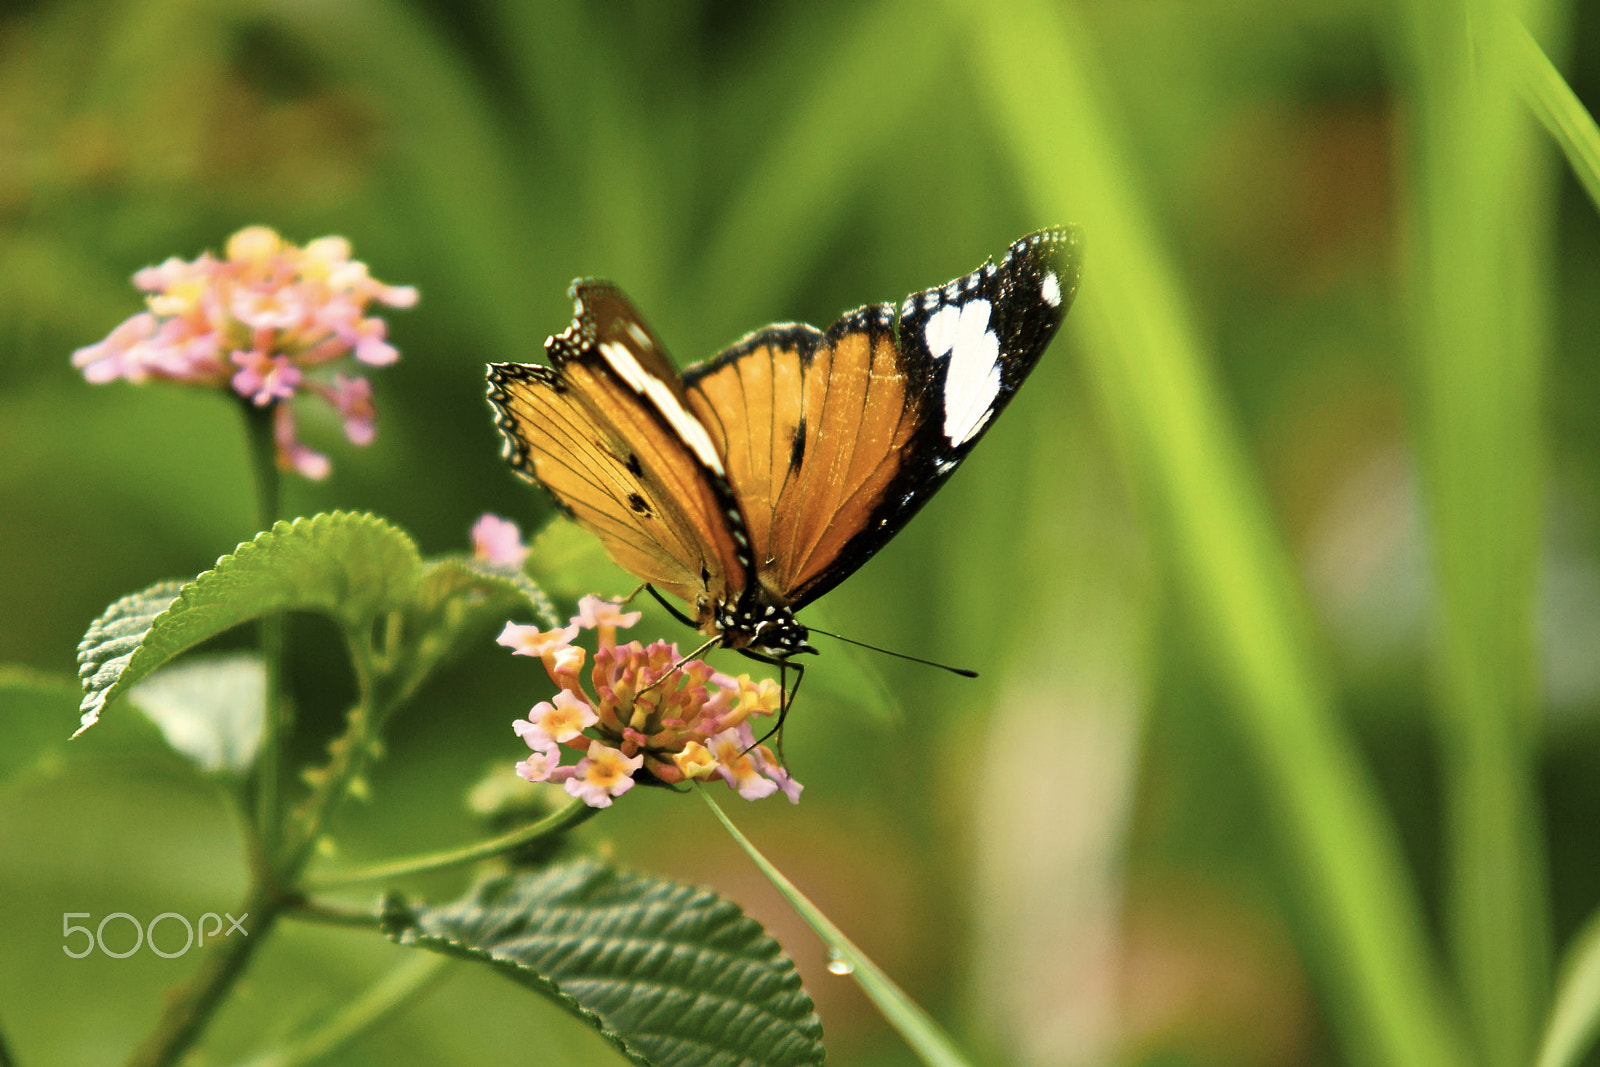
[[479, 582], [456, 596], [1480, 218], [350, 567], [112, 641], [1575, 1016], [668, 973], [210, 709]]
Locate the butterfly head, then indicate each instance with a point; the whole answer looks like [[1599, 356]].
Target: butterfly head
[[764, 629]]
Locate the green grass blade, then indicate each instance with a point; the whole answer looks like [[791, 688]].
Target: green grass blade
[[1152, 372], [1553, 102], [1575, 1015], [1480, 207], [925, 1036]]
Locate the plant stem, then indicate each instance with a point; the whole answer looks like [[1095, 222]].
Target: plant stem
[[573, 814], [324, 914], [189, 1011], [263, 462], [932, 1045], [269, 764], [384, 996], [191, 1008]]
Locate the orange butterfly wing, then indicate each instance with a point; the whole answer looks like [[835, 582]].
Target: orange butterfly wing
[[834, 440], [813, 427], [608, 432]]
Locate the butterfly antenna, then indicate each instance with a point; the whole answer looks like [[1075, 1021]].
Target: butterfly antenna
[[898, 655]]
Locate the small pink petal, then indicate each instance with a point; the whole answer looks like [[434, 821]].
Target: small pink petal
[[539, 765], [532, 641], [594, 611], [499, 541]]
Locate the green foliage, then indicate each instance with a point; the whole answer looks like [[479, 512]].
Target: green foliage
[[34, 711], [1154, 378], [209, 708], [669, 974], [1550, 97], [358, 570]]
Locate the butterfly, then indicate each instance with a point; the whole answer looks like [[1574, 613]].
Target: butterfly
[[754, 482]]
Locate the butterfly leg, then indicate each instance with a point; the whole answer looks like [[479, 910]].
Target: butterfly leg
[[664, 602], [787, 701]]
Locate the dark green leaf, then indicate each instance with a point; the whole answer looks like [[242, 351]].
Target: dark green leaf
[[670, 974], [349, 567]]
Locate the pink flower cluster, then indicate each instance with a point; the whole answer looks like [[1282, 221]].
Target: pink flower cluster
[[257, 321], [645, 712]]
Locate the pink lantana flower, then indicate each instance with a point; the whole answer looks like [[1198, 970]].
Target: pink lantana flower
[[554, 722], [540, 764], [498, 540], [352, 397], [259, 322], [532, 641], [601, 775], [640, 712]]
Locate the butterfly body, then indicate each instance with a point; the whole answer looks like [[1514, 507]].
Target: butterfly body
[[756, 481]]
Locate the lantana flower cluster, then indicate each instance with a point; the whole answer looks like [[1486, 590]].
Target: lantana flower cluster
[[641, 713], [264, 321]]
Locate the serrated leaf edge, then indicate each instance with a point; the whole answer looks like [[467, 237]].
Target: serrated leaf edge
[[97, 694], [586, 879]]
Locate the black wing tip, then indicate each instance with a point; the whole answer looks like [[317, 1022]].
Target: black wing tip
[[1055, 248]]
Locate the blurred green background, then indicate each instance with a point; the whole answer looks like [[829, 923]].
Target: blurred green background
[[1282, 573]]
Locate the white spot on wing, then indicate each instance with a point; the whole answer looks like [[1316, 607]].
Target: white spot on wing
[[1051, 290], [688, 428], [639, 335], [972, 380]]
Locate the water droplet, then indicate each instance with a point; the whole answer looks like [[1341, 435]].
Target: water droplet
[[837, 964]]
